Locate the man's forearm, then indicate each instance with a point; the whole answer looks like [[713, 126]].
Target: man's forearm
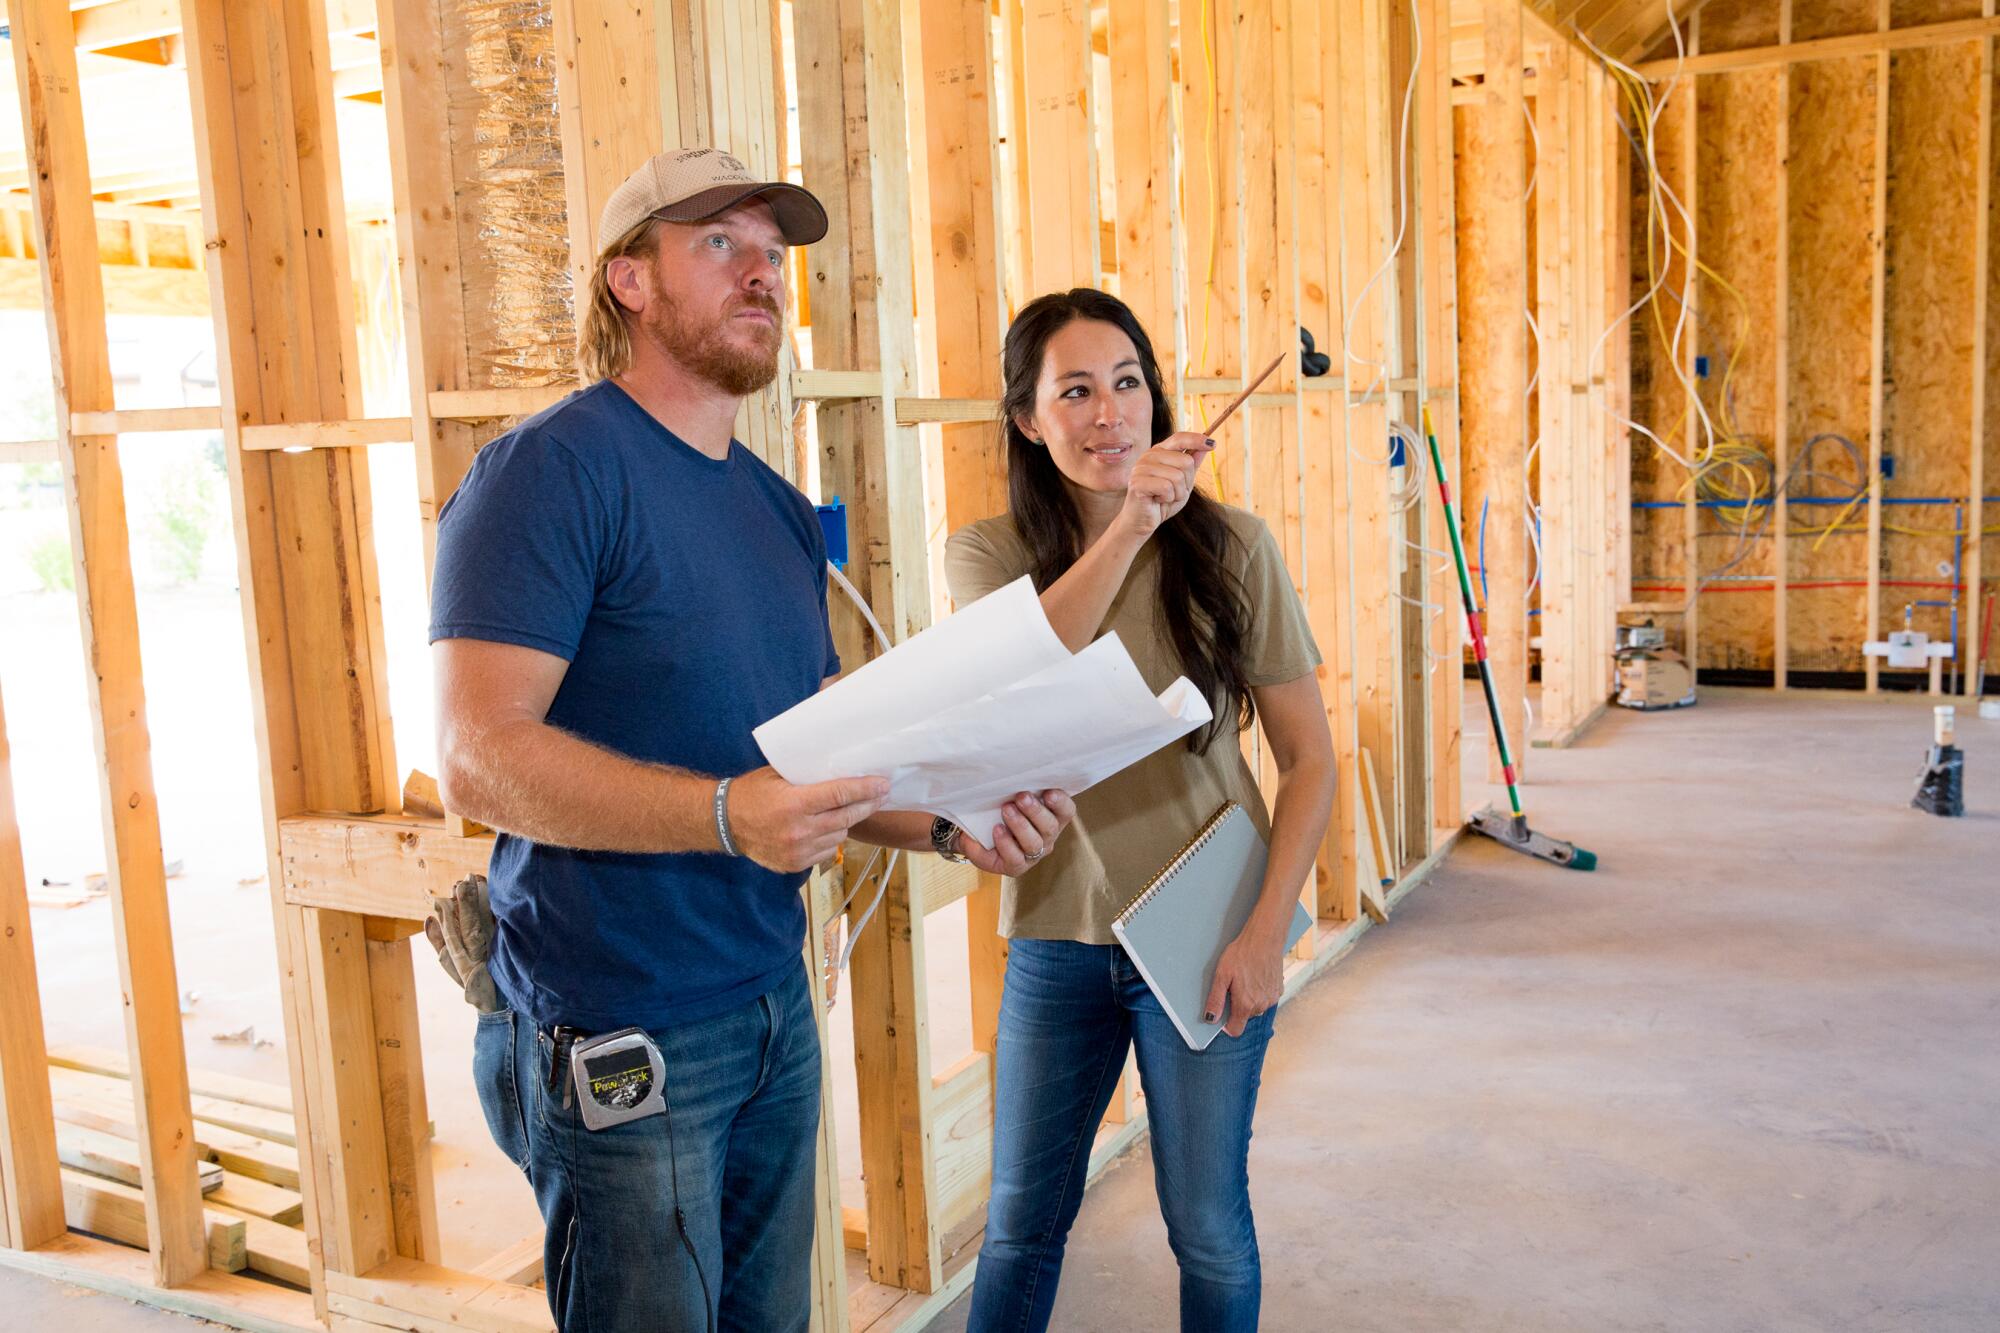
[[907, 829], [540, 782]]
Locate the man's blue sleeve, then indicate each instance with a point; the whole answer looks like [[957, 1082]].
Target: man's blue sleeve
[[520, 548], [832, 667]]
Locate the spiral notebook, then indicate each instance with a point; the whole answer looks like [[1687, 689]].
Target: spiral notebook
[[1178, 926]]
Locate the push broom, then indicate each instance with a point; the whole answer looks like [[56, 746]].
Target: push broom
[[1510, 832]]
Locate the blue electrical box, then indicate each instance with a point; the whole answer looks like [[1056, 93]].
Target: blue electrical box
[[833, 526], [1701, 367], [1396, 458], [1888, 465]]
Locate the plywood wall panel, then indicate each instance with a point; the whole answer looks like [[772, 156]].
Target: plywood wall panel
[[1933, 151], [1909, 13], [1737, 25], [1832, 18], [1832, 136], [1659, 544], [1738, 225], [1990, 443]]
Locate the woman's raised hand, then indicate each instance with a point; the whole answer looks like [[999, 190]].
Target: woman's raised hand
[[1162, 480]]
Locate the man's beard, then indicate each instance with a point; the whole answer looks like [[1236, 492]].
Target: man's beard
[[705, 348]]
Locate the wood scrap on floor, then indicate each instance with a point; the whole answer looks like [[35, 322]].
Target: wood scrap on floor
[[1367, 873], [251, 1197], [227, 1087], [270, 1248], [1375, 873], [98, 1153], [118, 1212], [98, 1103], [249, 1175], [60, 901]]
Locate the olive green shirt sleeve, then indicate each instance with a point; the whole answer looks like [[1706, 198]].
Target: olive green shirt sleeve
[[980, 558]]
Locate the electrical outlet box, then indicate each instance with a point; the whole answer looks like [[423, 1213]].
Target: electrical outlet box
[[833, 526]]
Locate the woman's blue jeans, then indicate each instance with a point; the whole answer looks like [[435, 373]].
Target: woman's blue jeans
[[1068, 1015]]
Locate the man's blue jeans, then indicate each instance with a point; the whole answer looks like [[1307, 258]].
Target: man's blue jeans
[[1068, 1014], [743, 1090]]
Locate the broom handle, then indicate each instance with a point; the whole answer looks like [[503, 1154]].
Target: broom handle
[[1472, 618]]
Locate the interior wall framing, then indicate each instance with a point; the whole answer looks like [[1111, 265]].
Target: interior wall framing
[[1837, 138], [1543, 370], [1229, 207]]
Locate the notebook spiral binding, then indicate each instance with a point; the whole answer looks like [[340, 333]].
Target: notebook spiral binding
[[1180, 858]]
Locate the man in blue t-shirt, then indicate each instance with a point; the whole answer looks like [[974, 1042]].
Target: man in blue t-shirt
[[622, 593]]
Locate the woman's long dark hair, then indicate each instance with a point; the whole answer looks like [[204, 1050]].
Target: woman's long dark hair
[[1206, 610]]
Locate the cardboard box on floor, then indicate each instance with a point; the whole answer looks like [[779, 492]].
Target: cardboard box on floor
[[1658, 678]]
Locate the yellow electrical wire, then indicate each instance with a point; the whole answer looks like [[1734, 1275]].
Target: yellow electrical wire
[[1645, 128], [1722, 464], [1838, 525], [1859, 496]]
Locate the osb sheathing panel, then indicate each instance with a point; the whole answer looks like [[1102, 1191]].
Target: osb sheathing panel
[[114, 241], [1906, 13], [1736, 25], [1832, 18], [1738, 226], [1933, 156], [1832, 128], [168, 246], [1992, 434], [1658, 401]]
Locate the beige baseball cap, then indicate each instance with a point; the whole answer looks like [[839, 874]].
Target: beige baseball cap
[[693, 184]]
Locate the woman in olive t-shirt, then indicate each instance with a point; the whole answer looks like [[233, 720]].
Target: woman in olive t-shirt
[[1104, 514]]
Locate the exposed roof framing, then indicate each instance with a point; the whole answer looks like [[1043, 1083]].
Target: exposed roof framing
[[1626, 29], [131, 60]]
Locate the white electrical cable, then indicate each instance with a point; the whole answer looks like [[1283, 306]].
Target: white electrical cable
[[1663, 205], [859, 880], [1381, 368], [881, 888], [1409, 492], [854, 933], [881, 635], [1655, 209]]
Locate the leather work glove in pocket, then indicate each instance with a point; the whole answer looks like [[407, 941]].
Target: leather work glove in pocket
[[461, 929]]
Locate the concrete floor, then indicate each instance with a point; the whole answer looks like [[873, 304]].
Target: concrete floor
[[33, 1302], [1743, 1077]]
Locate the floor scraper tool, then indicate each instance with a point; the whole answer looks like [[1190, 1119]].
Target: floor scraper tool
[[1509, 831]]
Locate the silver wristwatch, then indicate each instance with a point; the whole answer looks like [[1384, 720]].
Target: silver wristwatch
[[943, 834]]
